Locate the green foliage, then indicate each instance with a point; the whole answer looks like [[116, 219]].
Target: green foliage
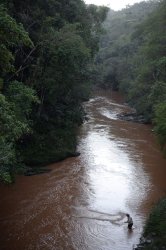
[[160, 123], [6, 177], [50, 147], [156, 225], [10, 130], [46, 49], [14, 123], [10, 126], [133, 59], [149, 87], [12, 35], [22, 98], [117, 47]]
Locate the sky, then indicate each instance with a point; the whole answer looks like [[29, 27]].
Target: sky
[[113, 4]]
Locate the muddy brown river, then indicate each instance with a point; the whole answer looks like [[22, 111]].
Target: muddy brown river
[[81, 203]]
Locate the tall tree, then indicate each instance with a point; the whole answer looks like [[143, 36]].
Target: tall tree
[[47, 47]]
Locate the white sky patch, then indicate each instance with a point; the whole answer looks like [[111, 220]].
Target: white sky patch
[[113, 4]]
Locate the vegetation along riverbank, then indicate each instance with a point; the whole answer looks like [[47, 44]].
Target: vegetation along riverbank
[[154, 236], [46, 51], [132, 59], [52, 52]]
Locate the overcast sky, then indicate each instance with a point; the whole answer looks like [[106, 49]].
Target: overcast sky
[[113, 4]]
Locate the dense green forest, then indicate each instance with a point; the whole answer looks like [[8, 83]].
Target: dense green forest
[[132, 59], [47, 52], [47, 47]]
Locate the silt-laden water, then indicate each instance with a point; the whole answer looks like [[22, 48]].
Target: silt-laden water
[[81, 204]]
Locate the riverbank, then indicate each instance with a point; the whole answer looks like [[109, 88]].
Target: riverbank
[[80, 203], [154, 234]]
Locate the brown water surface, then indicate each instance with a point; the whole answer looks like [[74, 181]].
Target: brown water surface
[[81, 203]]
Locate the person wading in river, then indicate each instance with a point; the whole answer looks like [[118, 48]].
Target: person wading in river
[[129, 221]]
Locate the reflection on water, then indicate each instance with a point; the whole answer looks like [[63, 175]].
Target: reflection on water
[[81, 204]]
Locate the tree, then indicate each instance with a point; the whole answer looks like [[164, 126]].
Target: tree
[[47, 47], [14, 123], [133, 59], [160, 123]]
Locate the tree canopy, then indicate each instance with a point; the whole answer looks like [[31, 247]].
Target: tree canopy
[[46, 49], [132, 57]]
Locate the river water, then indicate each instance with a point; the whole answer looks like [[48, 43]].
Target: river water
[[81, 204]]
